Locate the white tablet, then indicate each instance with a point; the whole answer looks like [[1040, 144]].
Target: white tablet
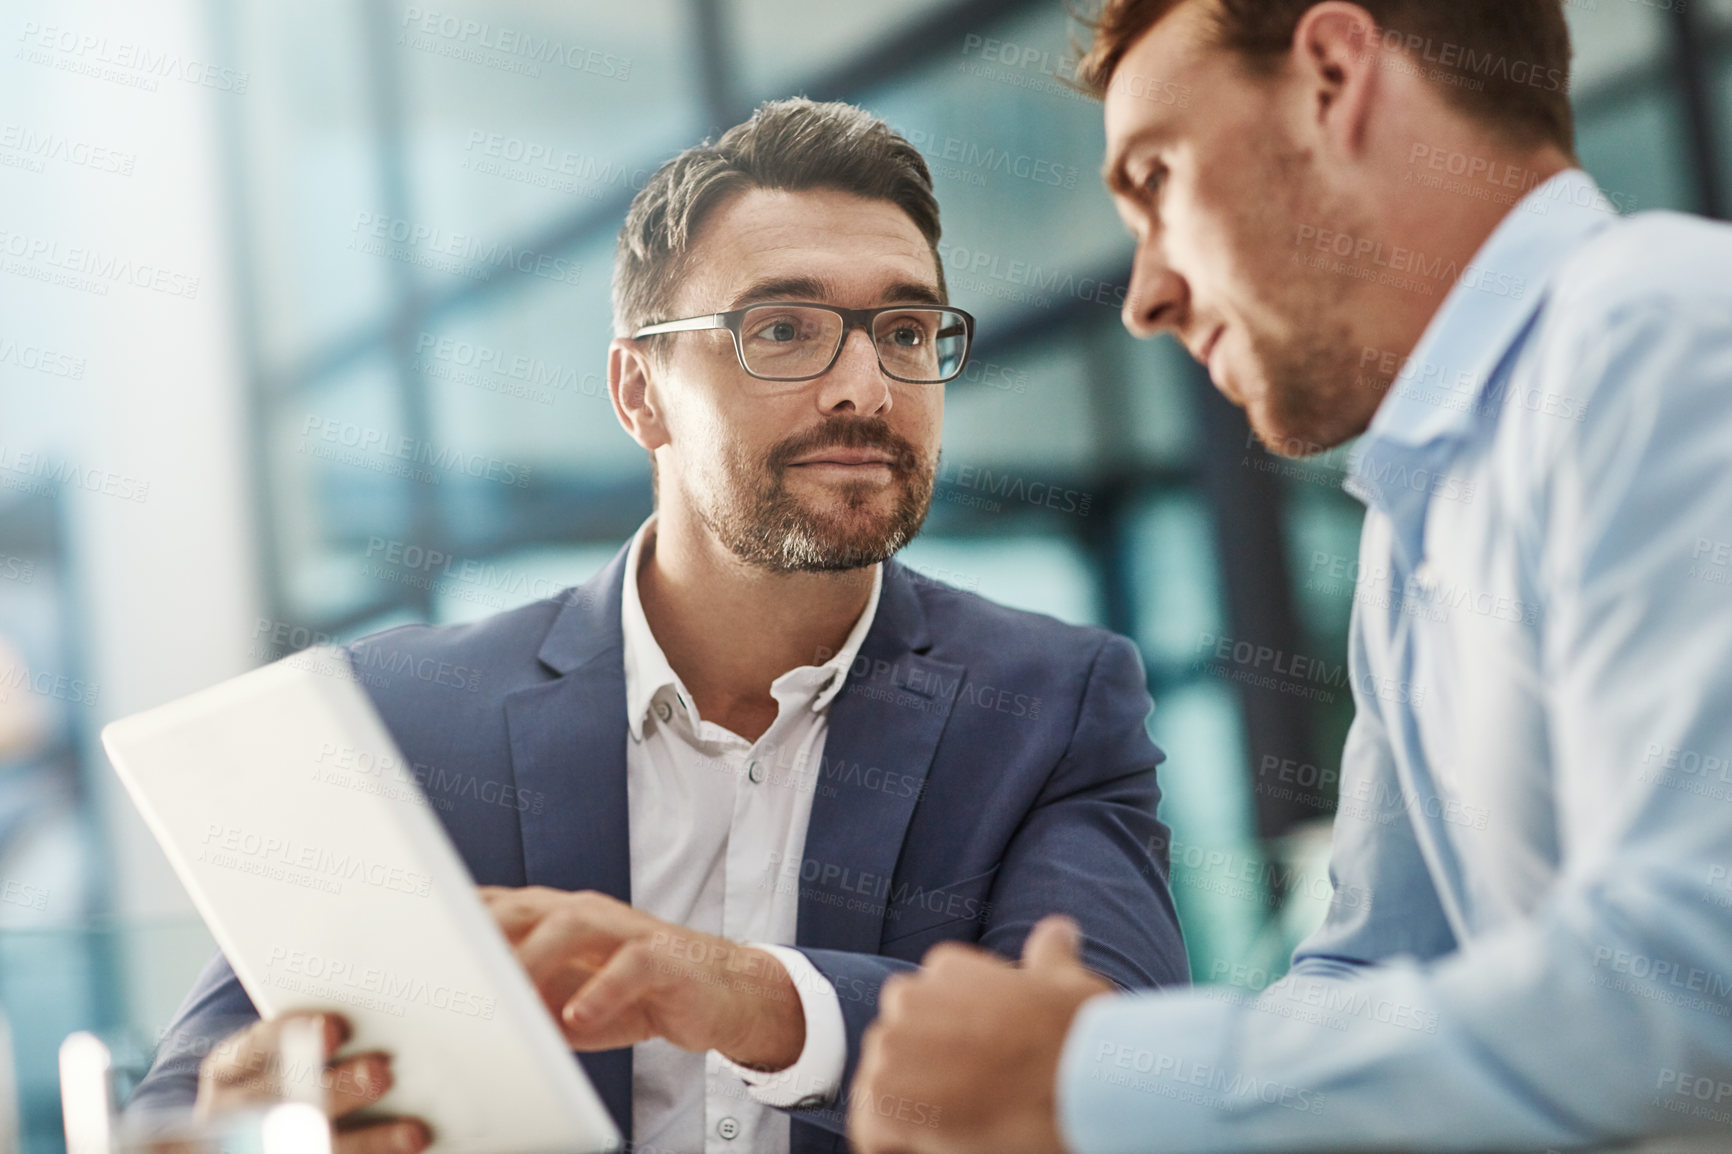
[[327, 894]]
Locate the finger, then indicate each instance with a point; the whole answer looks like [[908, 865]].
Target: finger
[[892, 995], [516, 910], [862, 1136], [252, 1056], [628, 977], [393, 1136], [356, 1082], [869, 1132], [1054, 943], [579, 933]]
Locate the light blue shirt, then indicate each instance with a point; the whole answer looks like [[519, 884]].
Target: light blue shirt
[[1530, 944]]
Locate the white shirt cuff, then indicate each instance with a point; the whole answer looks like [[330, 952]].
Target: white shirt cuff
[[816, 1076]]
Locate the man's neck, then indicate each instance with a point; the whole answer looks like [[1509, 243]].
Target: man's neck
[[1450, 227], [729, 629]]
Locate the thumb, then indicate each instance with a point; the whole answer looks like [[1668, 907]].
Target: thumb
[[1054, 943]]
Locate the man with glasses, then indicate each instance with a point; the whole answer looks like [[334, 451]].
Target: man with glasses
[[771, 766]]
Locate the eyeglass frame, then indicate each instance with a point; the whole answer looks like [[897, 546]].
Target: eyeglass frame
[[851, 319]]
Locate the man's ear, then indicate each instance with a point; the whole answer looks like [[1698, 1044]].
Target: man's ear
[[1338, 56], [632, 386]]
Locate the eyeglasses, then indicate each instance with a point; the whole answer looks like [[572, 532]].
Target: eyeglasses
[[799, 341]]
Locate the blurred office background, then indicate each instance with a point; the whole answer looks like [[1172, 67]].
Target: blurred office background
[[303, 315]]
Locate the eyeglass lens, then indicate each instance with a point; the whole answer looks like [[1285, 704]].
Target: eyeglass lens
[[786, 342]]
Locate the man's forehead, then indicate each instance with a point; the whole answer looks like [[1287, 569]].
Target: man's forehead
[[763, 220], [836, 241], [1159, 69]]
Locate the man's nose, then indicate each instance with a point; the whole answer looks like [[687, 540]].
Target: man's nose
[[1157, 298], [856, 382]]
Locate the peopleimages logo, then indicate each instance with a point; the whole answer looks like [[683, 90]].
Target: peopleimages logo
[[367, 442], [41, 360], [1028, 56], [454, 252], [454, 36], [371, 987], [89, 269], [977, 160], [37, 147], [1027, 275], [1471, 68], [135, 65], [1371, 254]]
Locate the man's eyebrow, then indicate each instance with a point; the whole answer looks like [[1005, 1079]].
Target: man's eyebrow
[[783, 288], [1115, 171], [912, 293], [805, 288]]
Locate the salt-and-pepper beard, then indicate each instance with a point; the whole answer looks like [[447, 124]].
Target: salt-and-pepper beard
[[768, 526]]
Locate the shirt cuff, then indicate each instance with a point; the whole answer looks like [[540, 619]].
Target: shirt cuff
[[1132, 1066], [816, 1076]]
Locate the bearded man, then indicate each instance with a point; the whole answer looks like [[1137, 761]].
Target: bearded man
[[756, 767]]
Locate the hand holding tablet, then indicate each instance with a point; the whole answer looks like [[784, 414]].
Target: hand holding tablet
[[325, 898]]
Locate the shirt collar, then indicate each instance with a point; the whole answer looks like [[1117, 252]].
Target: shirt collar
[[1444, 381], [647, 672]]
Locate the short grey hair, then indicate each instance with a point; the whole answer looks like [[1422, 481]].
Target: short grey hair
[[790, 145]]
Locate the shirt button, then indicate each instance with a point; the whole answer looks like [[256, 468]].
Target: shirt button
[[663, 710], [1426, 576], [755, 771], [728, 1128]]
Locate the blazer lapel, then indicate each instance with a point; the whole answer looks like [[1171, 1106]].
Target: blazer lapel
[[568, 740], [883, 731]]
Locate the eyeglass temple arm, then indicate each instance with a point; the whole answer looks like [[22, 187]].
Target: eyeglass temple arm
[[689, 325]]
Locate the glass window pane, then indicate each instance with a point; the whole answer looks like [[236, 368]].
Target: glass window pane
[[308, 162], [1177, 581], [1041, 574], [472, 589], [344, 474], [1217, 868], [520, 116], [1015, 160], [1635, 148], [1160, 396], [1044, 428], [1612, 39], [771, 61], [522, 375]]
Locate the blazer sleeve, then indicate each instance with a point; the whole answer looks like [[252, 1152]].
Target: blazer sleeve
[[214, 1009], [1091, 847]]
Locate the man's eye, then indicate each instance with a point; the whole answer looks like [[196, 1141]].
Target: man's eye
[[778, 331], [1156, 177]]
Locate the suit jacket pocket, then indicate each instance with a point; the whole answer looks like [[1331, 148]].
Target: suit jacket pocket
[[913, 910]]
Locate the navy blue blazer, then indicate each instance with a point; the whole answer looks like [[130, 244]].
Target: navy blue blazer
[[984, 767]]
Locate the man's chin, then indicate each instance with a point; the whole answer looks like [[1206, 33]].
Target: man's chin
[[844, 535], [1293, 440], [852, 541]]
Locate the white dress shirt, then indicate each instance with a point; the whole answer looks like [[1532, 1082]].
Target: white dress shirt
[[711, 813]]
